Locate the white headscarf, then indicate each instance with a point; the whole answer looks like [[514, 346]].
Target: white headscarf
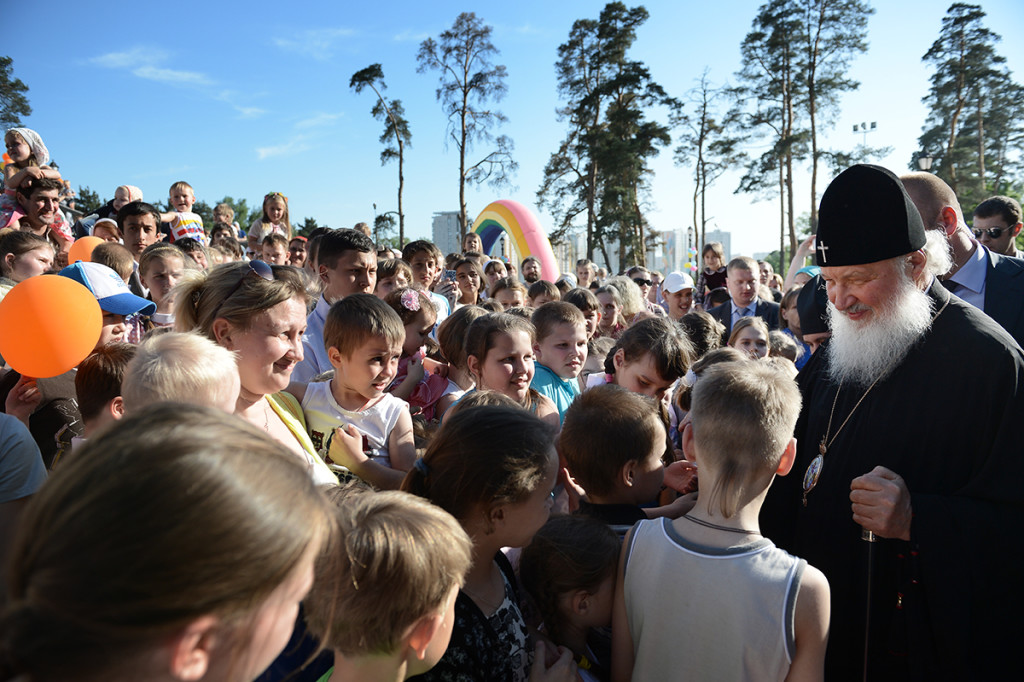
[[35, 143]]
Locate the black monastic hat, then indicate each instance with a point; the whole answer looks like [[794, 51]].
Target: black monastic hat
[[866, 216], [812, 305]]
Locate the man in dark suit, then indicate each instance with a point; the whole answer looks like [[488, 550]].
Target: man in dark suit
[[987, 280], [742, 280], [997, 222]]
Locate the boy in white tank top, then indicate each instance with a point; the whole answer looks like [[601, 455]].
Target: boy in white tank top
[[705, 596]]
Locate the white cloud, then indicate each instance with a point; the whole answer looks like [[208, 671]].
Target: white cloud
[[409, 36], [316, 43], [317, 120], [155, 73], [250, 112], [232, 98], [294, 146], [148, 63], [528, 29], [134, 57]]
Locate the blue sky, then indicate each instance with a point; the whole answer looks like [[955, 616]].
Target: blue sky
[[241, 100]]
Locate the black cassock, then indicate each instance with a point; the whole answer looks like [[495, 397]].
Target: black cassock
[[949, 420]]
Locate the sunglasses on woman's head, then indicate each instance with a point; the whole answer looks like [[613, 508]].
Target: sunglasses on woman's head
[[257, 267]]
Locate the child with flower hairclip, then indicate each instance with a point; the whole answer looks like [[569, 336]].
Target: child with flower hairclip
[[415, 383]]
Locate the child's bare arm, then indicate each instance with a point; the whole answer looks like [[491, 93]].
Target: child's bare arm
[[15, 178], [413, 376], [442, 405], [622, 640], [346, 450], [810, 628], [168, 217], [675, 509], [547, 412], [401, 446]]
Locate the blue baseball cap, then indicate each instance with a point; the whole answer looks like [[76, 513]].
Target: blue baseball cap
[[110, 291]]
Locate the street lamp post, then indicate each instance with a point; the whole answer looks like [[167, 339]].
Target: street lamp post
[[924, 161]]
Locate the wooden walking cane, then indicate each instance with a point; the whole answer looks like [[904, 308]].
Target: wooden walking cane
[[868, 537]]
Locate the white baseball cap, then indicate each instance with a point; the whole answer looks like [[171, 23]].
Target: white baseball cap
[[677, 281], [110, 291]]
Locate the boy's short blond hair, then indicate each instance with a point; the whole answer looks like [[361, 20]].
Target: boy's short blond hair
[[356, 318], [743, 416], [116, 257], [224, 210], [275, 239], [181, 184], [182, 367], [396, 560], [553, 313], [783, 345]]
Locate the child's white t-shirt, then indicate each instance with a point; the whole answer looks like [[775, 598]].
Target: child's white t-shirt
[[375, 423], [187, 224]]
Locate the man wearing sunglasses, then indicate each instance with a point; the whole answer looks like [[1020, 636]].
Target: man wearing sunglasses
[[997, 222], [987, 280]]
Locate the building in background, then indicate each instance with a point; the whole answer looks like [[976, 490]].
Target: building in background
[[725, 238], [446, 231]]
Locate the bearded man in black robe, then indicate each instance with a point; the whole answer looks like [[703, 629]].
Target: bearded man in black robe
[[910, 430]]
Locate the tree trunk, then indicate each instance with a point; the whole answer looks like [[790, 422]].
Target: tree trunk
[[462, 169], [789, 124], [782, 218], [591, 207], [703, 209], [812, 60], [981, 147], [642, 259], [401, 186], [955, 119], [696, 197], [604, 252]]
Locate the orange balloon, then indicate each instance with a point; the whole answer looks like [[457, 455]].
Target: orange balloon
[[82, 249], [48, 324]]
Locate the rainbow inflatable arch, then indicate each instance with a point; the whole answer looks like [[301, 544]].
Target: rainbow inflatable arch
[[522, 227]]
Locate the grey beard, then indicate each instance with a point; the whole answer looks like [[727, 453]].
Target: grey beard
[[862, 353]]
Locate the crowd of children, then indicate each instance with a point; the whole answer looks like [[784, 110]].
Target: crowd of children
[[415, 464]]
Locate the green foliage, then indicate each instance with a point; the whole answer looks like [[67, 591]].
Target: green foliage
[[975, 126], [383, 228], [308, 225], [204, 211], [468, 83], [13, 102], [600, 170], [794, 64], [396, 133], [88, 201], [244, 215], [708, 142]]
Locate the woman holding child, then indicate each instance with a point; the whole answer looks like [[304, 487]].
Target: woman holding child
[[258, 311]]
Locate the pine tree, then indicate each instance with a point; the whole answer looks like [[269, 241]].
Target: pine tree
[[966, 75], [396, 133], [834, 31], [13, 102], [601, 167], [469, 82], [707, 143]]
